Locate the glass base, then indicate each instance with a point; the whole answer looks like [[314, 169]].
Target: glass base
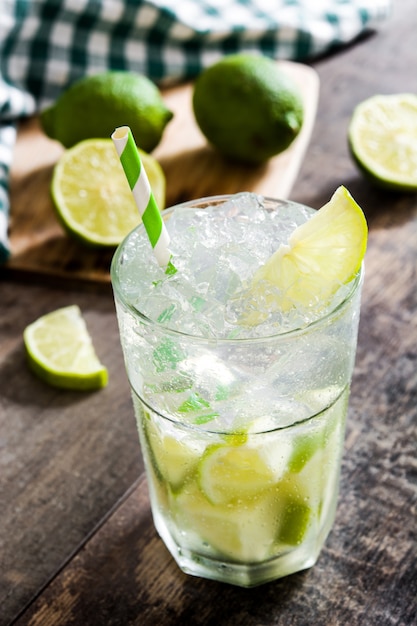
[[242, 575]]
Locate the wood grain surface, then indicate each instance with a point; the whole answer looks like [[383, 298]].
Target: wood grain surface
[[39, 245], [77, 543]]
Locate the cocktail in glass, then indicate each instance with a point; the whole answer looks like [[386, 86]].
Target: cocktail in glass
[[241, 416]]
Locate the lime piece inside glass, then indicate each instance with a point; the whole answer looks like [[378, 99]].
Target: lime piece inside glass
[[234, 473], [92, 197], [383, 140], [295, 520], [242, 531], [173, 460], [321, 255], [60, 351]]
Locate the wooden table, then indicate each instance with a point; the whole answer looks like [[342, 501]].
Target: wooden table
[[77, 543]]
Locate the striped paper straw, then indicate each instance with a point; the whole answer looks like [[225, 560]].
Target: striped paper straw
[[144, 198]]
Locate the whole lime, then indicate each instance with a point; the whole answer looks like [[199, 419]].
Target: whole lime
[[247, 107], [94, 106]]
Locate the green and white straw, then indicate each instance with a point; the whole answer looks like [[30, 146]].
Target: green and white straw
[[143, 196]]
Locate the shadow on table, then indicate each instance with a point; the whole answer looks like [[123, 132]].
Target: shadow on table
[[21, 386]]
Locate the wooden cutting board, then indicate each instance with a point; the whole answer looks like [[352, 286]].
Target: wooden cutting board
[[40, 247]]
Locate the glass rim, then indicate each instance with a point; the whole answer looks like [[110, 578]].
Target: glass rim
[[317, 323]]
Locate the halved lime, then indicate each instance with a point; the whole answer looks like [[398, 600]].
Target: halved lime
[[321, 255], [60, 351], [383, 140], [92, 196]]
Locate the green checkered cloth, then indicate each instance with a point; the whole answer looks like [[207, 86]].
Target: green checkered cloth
[[45, 45]]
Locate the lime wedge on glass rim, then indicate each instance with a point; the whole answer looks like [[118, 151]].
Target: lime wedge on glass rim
[[92, 197], [321, 255], [60, 351], [382, 139]]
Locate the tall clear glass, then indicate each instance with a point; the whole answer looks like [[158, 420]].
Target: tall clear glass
[[240, 506]]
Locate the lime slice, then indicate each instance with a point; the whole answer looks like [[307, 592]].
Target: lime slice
[[92, 197], [234, 473], [173, 460], [317, 437], [60, 351], [383, 140], [243, 532], [321, 255], [295, 520]]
